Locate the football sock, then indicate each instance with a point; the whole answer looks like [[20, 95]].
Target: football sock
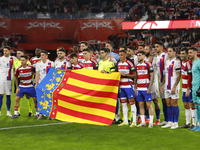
[[129, 111], [194, 117], [196, 106], [187, 116], [125, 111], [117, 107], [176, 113], [170, 114], [138, 110], [142, 118], [134, 111], [30, 102], [157, 114], [165, 111], [15, 110], [1, 101], [8, 102], [147, 113], [151, 120], [198, 113], [20, 103]]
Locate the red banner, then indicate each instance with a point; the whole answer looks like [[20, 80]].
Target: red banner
[[60, 30], [167, 24]]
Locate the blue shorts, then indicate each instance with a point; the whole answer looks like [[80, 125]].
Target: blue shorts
[[187, 99], [127, 93], [143, 96], [26, 90]]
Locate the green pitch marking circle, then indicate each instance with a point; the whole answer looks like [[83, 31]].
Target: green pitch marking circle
[[61, 84], [54, 106]]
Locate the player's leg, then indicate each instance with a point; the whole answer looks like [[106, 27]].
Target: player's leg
[[148, 98], [198, 111], [8, 89], [140, 99], [162, 96], [123, 101], [146, 113], [2, 91], [169, 110], [16, 107], [193, 111], [32, 94], [30, 102], [193, 115], [142, 114], [157, 110], [175, 113], [195, 99]]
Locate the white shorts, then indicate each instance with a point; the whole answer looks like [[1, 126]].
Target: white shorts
[[172, 96], [154, 90], [6, 87], [162, 95]]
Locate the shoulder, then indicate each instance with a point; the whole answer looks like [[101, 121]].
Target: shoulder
[[130, 63]]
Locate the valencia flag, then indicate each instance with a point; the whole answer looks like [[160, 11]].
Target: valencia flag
[[85, 96]]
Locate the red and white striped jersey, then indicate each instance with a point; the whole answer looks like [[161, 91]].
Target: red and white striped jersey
[[43, 68], [80, 65], [6, 67], [80, 57], [62, 64], [26, 75], [128, 68], [143, 75], [34, 60], [186, 72], [171, 68], [160, 63], [90, 64]]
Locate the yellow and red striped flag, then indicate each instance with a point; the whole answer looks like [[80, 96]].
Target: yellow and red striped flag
[[86, 96]]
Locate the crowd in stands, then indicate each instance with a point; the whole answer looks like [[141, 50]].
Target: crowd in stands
[[175, 39]]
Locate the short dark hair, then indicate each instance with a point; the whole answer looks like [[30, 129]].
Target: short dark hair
[[159, 43], [184, 49], [84, 42], [20, 50], [40, 48], [106, 50], [7, 47], [131, 48], [124, 47], [141, 52], [77, 45], [174, 49], [24, 56], [91, 50], [150, 47], [87, 50], [110, 44], [60, 47], [62, 50], [193, 48], [122, 51], [142, 45], [44, 51], [72, 55]]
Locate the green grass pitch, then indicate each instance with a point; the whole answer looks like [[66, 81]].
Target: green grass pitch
[[73, 136]]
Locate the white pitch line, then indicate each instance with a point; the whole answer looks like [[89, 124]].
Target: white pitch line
[[39, 125]]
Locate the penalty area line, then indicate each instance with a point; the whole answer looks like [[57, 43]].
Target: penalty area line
[[39, 125]]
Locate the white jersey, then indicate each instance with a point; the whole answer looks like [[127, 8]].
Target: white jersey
[[6, 67], [171, 68], [62, 64], [43, 68], [160, 63]]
